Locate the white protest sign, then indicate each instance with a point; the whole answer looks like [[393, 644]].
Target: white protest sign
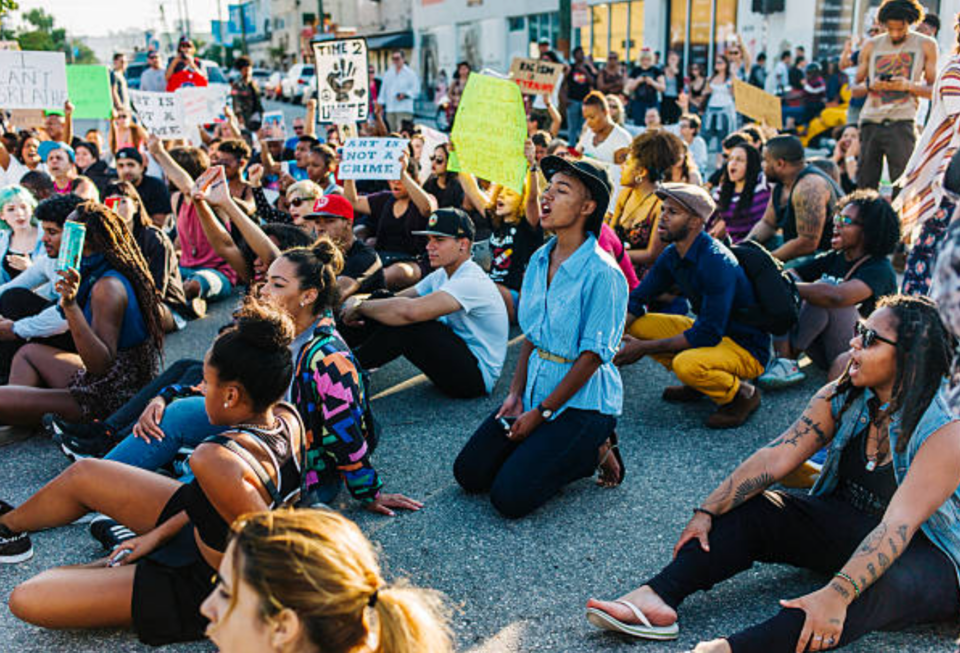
[[372, 158], [274, 127], [431, 139], [343, 80], [32, 80], [161, 113], [202, 105]]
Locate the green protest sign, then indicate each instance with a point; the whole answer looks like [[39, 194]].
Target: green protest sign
[[88, 88], [490, 130]]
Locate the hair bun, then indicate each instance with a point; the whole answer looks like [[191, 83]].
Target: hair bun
[[328, 254], [263, 326]]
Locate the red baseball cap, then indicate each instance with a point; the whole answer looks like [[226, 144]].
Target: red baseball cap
[[335, 206]]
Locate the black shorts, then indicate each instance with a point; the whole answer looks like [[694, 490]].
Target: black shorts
[[170, 585]]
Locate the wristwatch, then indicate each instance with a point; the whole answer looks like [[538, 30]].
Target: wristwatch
[[545, 412]]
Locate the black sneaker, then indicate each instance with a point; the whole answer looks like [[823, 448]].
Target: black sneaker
[[93, 440], [14, 547], [109, 532]]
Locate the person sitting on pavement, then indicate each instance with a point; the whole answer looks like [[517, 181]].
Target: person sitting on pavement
[[60, 161], [882, 519], [153, 192], [452, 325], [838, 288], [391, 220], [443, 183], [557, 422], [308, 580], [743, 195], [91, 166], [234, 155], [20, 236], [156, 582], [802, 199], [713, 355]]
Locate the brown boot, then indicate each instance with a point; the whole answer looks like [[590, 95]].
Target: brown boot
[[681, 394], [735, 413]]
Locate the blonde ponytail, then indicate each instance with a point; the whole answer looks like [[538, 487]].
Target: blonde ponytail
[[411, 620]]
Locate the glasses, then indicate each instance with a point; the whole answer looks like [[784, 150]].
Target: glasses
[[846, 221], [868, 336], [297, 201], [734, 53], [437, 159]]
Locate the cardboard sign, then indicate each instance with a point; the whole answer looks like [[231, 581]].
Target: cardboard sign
[[89, 88], [757, 104], [26, 118], [274, 127], [372, 158], [489, 131], [343, 80], [202, 105], [32, 80], [431, 139], [161, 113], [535, 77]]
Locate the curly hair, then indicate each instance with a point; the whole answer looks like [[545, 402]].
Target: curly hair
[[236, 148], [750, 179], [109, 234], [909, 11], [924, 352], [657, 152], [879, 222]]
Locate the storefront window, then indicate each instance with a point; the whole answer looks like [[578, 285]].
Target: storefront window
[[619, 29], [636, 30], [716, 18], [601, 35]]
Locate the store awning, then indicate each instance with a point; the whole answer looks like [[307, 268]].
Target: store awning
[[395, 41]]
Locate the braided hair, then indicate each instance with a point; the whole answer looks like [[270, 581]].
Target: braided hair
[[109, 234], [924, 351]]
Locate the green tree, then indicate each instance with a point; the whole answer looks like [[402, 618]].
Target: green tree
[[7, 5]]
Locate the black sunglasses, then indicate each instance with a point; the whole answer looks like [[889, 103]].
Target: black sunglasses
[[297, 201], [868, 336]]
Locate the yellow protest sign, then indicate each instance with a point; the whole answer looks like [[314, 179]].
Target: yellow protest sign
[[489, 131], [757, 104]]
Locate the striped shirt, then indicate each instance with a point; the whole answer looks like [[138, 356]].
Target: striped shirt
[[739, 226]]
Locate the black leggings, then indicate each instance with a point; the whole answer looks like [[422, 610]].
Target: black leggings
[[434, 349], [17, 304], [819, 534]]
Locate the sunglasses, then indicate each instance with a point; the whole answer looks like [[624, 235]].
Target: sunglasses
[[868, 336], [297, 201], [846, 221], [437, 159]]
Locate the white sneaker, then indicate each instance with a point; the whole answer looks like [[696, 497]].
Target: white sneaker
[[781, 373]]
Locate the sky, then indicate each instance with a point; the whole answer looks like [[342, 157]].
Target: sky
[[99, 17]]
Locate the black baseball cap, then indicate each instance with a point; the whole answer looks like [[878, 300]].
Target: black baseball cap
[[131, 153], [592, 174], [452, 223]]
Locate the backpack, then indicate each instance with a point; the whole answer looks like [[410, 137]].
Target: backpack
[[778, 301]]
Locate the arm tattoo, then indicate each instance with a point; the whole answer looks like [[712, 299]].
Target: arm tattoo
[[840, 589], [799, 431], [749, 487], [810, 207], [881, 550], [873, 541]]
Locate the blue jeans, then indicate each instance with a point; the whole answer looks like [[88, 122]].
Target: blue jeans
[[184, 424], [214, 284], [574, 121], [522, 476]]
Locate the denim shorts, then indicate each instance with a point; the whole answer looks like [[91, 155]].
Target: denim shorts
[[214, 284]]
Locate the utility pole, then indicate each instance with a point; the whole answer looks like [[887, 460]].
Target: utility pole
[[563, 41], [320, 16], [221, 48], [243, 26]]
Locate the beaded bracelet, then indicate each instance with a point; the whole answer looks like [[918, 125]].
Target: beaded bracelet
[[856, 588], [705, 512]]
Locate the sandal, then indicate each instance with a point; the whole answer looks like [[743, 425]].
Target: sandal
[[614, 448], [643, 630]]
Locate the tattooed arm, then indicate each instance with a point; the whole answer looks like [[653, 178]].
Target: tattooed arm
[[766, 228], [810, 199]]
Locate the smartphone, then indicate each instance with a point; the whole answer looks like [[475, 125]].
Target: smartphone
[[507, 422]]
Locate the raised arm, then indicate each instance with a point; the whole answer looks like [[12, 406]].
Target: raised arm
[[218, 195], [532, 208], [219, 238], [179, 177], [68, 122], [555, 118], [360, 204], [471, 190], [310, 121], [424, 201]]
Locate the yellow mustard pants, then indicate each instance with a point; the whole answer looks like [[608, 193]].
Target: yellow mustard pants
[[714, 371]]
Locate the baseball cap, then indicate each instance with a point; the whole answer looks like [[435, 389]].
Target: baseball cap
[[693, 198], [131, 153], [334, 206], [451, 223], [46, 147], [592, 174]]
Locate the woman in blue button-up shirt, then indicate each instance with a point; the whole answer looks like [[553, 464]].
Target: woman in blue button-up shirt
[[558, 420]]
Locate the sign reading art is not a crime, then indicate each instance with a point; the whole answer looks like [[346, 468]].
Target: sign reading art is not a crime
[[32, 80], [372, 158], [343, 80]]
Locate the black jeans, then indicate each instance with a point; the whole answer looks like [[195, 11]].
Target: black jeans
[[523, 476], [433, 348], [893, 141], [185, 371], [819, 534], [17, 304]]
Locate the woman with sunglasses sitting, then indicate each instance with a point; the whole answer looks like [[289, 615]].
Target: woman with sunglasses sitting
[[839, 287], [883, 519]]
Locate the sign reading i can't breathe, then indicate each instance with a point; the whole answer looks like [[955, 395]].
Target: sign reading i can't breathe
[[372, 158], [343, 80], [32, 80]]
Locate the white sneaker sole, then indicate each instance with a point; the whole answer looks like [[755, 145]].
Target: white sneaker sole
[[21, 557]]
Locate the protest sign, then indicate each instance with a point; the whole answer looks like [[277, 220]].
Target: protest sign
[[32, 80], [534, 76], [9, 45], [89, 88], [161, 113], [274, 127], [757, 104], [26, 118], [489, 131], [431, 139], [372, 158], [343, 80], [202, 105], [580, 15]]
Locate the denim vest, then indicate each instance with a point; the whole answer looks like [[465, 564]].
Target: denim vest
[[943, 526]]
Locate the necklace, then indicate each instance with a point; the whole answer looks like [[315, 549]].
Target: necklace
[[880, 423], [260, 429]]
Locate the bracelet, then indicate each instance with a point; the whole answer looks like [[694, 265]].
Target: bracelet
[[705, 512], [856, 588]]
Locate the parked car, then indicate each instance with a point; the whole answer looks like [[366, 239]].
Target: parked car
[[297, 78], [271, 85], [134, 71]]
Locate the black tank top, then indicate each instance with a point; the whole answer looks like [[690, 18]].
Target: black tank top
[[868, 492], [787, 220]]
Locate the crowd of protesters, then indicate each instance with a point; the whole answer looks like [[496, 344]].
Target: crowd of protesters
[[621, 244]]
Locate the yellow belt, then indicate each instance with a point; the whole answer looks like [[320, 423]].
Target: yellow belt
[[553, 358]]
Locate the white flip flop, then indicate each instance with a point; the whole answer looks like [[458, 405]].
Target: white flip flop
[[643, 630]]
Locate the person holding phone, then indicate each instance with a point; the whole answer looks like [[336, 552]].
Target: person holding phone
[[185, 60], [566, 393]]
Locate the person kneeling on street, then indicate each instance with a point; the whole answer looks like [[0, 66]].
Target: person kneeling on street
[[713, 355], [452, 325]]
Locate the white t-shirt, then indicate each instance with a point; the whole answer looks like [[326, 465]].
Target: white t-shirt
[[14, 172], [617, 139], [482, 321]]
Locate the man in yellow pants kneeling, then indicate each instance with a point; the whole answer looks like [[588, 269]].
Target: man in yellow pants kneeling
[[713, 356]]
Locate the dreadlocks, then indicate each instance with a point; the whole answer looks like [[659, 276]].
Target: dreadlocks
[[924, 351], [108, 233]]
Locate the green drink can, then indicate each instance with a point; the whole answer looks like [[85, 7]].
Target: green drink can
[[71, 245]]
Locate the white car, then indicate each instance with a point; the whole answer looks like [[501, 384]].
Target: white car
[[292, 86]]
